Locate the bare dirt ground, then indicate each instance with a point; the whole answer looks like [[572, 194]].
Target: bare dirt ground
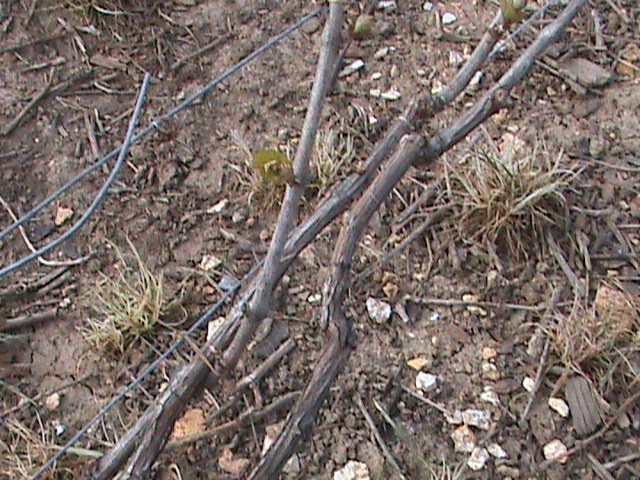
[[483, 315]]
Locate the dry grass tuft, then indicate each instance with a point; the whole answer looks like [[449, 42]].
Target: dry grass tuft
[[601, 340], [128, 305], [24, 451], [333, 156], [510, 200]]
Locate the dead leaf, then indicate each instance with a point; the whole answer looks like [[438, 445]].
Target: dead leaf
[[191, 423], [63, 215]]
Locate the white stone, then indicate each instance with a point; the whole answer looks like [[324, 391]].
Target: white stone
[[375, 92], [555, 450], [528, 383], [477, 418], [474, 82], [560, 406], [449, 18], [391, 95], [386, 4], [376, 76], [352, 68], [381, 53], [314, 298], [427, 6], [378, 311], [426, 381], [218, 207], [490, 371], [352, 471], [464, 440], [490, 396], [454, 418], [478, 459], [496, 451], [455, 58], [52, 402], [210, 262]]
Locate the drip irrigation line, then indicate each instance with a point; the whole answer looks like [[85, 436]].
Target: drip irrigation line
[[133, 123], [134, 384], [150, 129]]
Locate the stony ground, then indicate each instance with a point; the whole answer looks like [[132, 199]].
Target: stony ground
[[490, 338]]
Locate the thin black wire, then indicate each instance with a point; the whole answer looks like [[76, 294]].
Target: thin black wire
[[83, 431], [133, 123], [215, 308], [151, 128]]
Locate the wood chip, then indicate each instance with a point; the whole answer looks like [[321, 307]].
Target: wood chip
[[582, 404]]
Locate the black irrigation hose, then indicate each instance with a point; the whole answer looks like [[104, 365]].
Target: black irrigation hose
[[124, 150], [140, 135]]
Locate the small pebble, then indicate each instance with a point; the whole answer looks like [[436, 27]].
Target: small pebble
[[379, 311], [386, 4], [418, 363], [464, 440], [490, 396], [478, 459], [555, 450], [477, 418], [375, 92], [489, 353], [314, 298], [352, 471], [376, 76], [560, 406], [210, 262], [218, 207], [427, 6], [426, 381], [455, 418], [381, 53], [391, 95], [528, 383], [449, 18], [52, 402], [496, 451], [455, 58], [351, 68], [490, 371]]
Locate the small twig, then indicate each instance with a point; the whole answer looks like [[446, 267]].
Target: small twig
[[15, 48], [426, 401], [614, 464], [201, 51], [273, 359], [598, 468], [538, 381], [91, 133], [27, 320], [30, 246], [376, 434], [252, 415], [416, 233], [462, 303], [578, 288], [29, 106]]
